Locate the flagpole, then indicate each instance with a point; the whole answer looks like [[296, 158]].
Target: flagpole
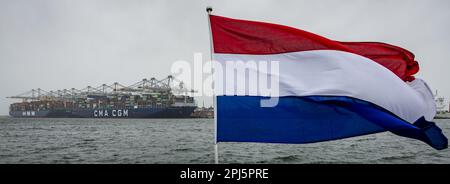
[[216, 146]]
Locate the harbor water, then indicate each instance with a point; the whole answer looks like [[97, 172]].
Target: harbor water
[[142, 141]]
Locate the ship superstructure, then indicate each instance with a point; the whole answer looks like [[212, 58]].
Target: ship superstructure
[[441, 111]]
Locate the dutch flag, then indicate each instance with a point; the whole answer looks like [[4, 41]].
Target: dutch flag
[[326, 90]]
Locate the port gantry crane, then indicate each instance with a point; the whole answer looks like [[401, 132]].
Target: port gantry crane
[[144, 86]]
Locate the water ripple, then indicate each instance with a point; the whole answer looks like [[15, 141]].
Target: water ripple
[[188, 141]]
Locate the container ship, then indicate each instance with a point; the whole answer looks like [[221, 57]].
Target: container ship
[[145, 99]]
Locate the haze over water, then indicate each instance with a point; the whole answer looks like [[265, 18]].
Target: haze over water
[[188, 141]]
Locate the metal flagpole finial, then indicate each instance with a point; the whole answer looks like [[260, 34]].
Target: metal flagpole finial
[[209, 9]]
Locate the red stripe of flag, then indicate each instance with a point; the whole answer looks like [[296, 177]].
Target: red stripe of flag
[[233, 36]]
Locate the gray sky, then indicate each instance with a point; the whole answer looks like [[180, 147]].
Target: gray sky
[[57, 44]]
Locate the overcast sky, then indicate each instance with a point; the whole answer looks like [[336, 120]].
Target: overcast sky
[[57, 44]]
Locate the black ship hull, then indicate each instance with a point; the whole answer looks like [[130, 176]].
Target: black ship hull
[[164, 112]]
